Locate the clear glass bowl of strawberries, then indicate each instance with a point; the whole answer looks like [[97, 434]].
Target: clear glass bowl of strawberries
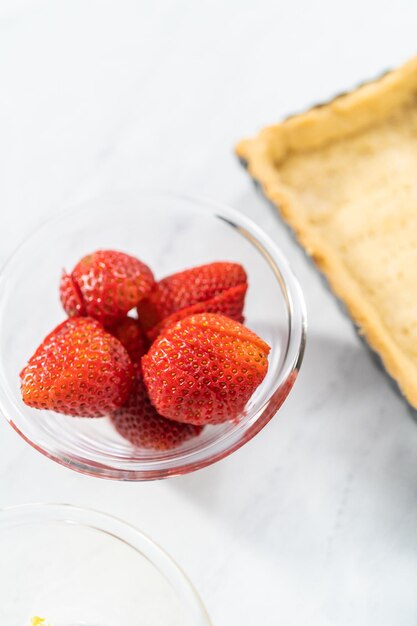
[[146, 335]]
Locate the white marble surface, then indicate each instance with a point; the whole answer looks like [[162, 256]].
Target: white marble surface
[[314, 522]]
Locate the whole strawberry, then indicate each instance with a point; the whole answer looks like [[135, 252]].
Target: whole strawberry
[[105, 285], [204, 369], [130, 334], [79, 369], [138, 421], [215, 288]]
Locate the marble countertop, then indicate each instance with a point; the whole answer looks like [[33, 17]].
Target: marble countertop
[[103, 95]]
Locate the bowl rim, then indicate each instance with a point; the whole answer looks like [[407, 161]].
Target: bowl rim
[[296, 309], [127, 533]]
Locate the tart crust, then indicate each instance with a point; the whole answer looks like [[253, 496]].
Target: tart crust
[[343, 175]]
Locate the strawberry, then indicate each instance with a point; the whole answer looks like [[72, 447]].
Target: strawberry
[[215, 287], [79, 369], [130, 334], [105, 285], [204, 369], [71, 296], [229, 303], [138, 421]]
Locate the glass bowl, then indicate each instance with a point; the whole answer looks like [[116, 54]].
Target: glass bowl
[[169, 233], [77, 567]]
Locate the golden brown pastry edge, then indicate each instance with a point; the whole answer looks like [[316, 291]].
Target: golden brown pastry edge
[[365, 106]]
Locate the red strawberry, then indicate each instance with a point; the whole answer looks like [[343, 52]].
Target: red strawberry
[[138, 422], [105, 285], [229, 303], [79, 369], [215, 287], [130, 334], [204, 369], [71, 296]]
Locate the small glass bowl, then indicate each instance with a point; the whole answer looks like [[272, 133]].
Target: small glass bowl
[[169, 233], [78, 567]]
